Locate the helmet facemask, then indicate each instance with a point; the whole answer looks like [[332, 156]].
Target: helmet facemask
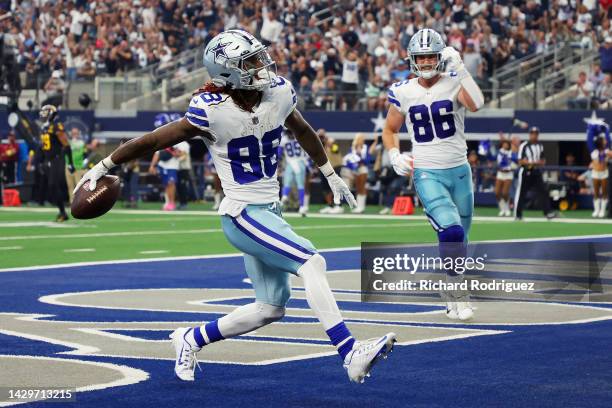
[[47, 113], [257, 70], [433, 70]]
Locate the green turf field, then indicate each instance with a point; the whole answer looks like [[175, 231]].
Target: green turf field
[[28, 237]]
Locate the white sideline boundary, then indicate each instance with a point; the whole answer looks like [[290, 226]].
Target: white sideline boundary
[[336, 216]]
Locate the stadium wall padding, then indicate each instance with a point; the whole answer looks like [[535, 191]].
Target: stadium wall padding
[[554, 125]]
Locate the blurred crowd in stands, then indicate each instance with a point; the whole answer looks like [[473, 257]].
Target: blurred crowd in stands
[[324, 47]]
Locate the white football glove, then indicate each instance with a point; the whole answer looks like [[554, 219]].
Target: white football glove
[[451, 59], [338, 186], [95, 173], [402, 163]]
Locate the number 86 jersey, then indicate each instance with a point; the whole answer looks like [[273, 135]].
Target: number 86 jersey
[[244, 145], [435, 121]]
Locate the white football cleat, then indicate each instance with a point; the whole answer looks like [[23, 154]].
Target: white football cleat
[[360, 360], [186, 361], [302, 211], [336, 210], [325, 210], [459, 310]]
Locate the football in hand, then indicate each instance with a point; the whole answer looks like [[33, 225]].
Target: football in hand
[[88, 204]]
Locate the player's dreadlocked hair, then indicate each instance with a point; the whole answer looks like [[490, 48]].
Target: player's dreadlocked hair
[[226, 89], [211, 87]]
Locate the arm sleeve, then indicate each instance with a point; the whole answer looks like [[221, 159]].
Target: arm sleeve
[[196, 114], [68, 153]]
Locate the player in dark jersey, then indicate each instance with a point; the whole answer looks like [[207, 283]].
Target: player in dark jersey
[[53, 147]]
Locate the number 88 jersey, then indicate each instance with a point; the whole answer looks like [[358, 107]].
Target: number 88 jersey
[[244, 145], [435, 121]]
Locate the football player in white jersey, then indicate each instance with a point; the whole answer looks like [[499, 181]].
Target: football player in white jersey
[[432, 106], [240, 115], [295, 163]]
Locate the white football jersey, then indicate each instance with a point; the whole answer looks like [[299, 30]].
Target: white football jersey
[[245, 145], [293, 154], [435, 121]]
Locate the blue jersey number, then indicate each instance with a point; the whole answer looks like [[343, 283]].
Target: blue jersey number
[[248, 165], [441, 114], [209, 97], [293, 149], [278, 81]]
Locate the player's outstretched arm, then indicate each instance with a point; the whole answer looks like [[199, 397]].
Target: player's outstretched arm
[[66, 149], [308, 139], [470, 94], [402, 164], [162, 137]]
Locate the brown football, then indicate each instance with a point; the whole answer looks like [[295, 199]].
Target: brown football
[[91, 204]]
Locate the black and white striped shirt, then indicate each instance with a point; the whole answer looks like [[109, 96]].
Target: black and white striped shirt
[[532, 152]]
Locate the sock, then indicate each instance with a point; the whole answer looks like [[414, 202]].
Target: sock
[[501, 204], [61, 208], [209, 333], [241, 320], [361, 201], [249, 317], [321, 300], [340, 337], [306, 200], [602, 205], [217, 198], [507, 205], [452, 245], [286, 191], [301, 196]]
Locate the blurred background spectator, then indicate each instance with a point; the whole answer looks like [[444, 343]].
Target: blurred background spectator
[[9, 153], [347, 47]]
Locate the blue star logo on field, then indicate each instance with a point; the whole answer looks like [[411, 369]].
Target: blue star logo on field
[[378, 121], [219, 50]]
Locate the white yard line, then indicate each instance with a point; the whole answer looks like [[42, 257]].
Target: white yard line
[[157, 251], [196, 231], [80, 250], [10, 248], [336, 216], [24, 224]]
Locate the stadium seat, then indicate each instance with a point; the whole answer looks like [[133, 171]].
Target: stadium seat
[[10, 198], [403, 206]]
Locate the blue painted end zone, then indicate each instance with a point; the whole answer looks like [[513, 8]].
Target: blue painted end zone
[[544, 366]]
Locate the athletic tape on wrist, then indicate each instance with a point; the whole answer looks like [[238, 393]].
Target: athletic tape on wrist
[[108, 163], [327, 169]]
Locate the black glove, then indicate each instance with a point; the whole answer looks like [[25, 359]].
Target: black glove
[[71, 168]]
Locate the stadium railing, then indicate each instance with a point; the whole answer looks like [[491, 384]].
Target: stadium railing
[[515, 84]]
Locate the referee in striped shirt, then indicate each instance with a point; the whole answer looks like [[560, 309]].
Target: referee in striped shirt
[[531, 159]]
